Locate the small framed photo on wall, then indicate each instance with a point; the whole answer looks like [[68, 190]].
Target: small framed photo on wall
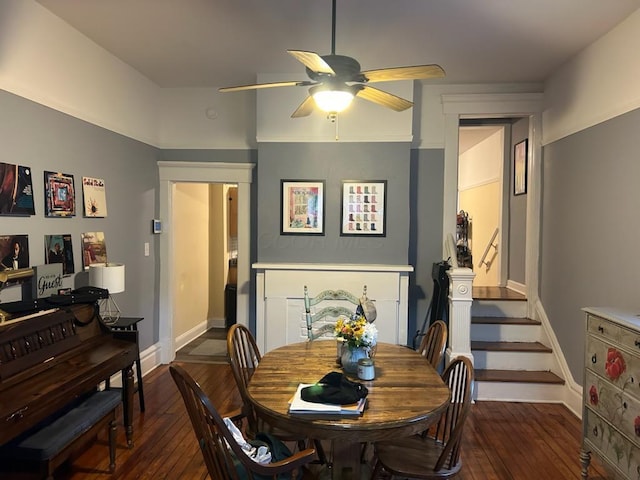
[[302, 207], [364, 208], [520, 167], [60, 195]]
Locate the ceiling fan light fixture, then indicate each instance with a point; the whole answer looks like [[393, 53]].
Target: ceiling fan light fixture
[[332, 99]]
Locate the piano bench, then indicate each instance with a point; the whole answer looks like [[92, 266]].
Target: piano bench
[[56, 441]]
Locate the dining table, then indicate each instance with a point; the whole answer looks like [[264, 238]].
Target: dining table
[[406, 397]]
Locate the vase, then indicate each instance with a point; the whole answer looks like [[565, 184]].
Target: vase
[[350, 357]]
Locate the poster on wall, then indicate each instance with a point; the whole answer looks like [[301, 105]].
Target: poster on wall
[[16, 190], [94, 249], [94, 196], [364, 208], [58, 249], [302, 207], [59, 195], [14, 252]]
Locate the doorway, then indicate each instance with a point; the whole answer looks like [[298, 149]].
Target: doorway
[[171, 174], [512, 105], [480, 232], [204, 258]]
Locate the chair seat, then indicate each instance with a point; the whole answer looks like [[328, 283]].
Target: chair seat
[[414, 457]]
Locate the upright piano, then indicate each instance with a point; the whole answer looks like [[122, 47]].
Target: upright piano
[[49, 358]]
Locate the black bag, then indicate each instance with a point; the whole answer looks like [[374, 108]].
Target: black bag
[[336, 389], [279, 451]]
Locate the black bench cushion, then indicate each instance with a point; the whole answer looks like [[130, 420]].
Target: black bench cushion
[[51, 439]]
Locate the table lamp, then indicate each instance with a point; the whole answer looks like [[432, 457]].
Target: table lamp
[[111, 277]]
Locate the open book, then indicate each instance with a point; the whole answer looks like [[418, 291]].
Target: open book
[[298, 406]]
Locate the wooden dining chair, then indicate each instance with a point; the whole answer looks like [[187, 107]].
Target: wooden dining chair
[[434, 342], [244, 357], [326, 316], [222, 454], [437, 454]]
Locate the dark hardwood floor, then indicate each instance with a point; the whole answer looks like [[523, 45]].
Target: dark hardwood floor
[[503, 441]]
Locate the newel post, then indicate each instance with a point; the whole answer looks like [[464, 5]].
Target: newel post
[[460, 299]]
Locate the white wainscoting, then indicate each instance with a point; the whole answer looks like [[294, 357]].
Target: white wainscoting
[[280, 298]]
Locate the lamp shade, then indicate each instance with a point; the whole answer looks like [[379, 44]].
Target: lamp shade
[[332, 99], [107, 275]]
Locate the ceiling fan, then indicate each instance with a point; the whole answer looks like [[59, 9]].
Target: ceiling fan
[[337, 79]]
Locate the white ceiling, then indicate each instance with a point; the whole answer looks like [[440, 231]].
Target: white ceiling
[[212, 43]]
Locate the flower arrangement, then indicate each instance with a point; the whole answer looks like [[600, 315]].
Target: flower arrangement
[[356, 331]]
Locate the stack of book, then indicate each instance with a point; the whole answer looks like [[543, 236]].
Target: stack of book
[[299, 406]]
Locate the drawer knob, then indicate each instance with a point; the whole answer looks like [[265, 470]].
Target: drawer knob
[[595, 431], [600, 328], [594, 358]]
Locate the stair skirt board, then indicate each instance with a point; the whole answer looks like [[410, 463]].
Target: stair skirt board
[[519, 392], [492, 360], [498, 308], [505, 333]]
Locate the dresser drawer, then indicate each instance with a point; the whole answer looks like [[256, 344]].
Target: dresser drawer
[[614, 333], [617, 366], [613, 405], [609, 444]]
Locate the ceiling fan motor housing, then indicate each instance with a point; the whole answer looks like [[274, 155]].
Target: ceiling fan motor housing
[[347, 69]]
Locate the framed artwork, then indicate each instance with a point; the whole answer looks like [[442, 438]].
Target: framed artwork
[[302, 207], [16, 190], [520, 167], [59, 249], [94, 196], [14, 252], [364, 208], [94, 249], [59, 195]]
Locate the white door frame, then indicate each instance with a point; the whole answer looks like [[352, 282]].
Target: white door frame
[[497, 105], [171, 173]]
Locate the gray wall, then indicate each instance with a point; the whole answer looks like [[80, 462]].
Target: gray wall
[[333, 162], [517, 212], [44, 139], [425, 230], [590, 229]]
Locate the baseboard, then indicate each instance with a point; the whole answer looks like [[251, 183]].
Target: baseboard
[[190, 335], [517, 287], [149, 360]]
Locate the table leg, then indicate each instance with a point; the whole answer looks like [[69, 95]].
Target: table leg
[[346, 460], [127, 403], [139, 371]]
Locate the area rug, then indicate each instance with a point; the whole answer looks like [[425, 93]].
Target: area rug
[[214, 348]]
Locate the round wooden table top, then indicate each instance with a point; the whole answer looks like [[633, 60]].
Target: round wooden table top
[[406, 396]]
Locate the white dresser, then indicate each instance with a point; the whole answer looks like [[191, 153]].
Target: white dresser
[[611, 398]]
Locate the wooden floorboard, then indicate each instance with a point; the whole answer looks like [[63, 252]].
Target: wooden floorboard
[[502, 441]]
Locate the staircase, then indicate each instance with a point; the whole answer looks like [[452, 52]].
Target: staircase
[[511, 356]]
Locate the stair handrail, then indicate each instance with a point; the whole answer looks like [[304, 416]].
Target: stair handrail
[[486, 250]]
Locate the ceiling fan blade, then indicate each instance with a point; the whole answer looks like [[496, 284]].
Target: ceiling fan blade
[[305, 109], [383, 98], [416, 72], [312, 61], [303, 83]]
